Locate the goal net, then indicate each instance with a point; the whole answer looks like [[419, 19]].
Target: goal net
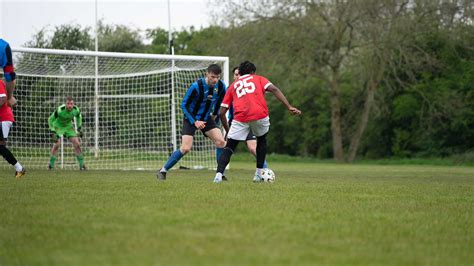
[[130, 105]]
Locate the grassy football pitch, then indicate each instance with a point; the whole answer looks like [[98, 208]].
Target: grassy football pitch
[[314, 213]]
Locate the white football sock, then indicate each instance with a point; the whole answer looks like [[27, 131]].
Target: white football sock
[[18, 167]]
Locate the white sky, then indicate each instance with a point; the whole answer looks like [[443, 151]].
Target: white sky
[[20, 19]]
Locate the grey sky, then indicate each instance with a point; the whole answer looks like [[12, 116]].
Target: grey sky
[[20, 19]]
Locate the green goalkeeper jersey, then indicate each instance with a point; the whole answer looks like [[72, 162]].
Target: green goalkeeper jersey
[[63, 119]]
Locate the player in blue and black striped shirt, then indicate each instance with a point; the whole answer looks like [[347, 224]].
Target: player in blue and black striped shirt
[[199, 108]]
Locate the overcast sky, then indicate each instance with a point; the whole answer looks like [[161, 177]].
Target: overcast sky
[[20, 19]]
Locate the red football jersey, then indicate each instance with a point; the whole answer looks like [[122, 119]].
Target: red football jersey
[[6, 113], [247, 94]]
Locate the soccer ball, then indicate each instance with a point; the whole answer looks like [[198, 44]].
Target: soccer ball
[[268, 175]]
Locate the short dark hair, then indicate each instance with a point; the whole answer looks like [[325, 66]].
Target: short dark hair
[[247, 67], [233, 69], [69, 98], [215, 69]]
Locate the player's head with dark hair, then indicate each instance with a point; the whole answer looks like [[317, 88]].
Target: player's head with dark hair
[[247, 67], [235, 72], [214, 69], [213, 74]]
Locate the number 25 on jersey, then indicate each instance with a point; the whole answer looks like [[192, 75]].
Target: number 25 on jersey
[[244, 86]]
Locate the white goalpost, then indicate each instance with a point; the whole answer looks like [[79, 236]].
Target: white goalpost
[[130, 105]]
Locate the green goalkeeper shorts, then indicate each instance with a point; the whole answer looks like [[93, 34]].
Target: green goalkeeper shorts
[[66, 132]]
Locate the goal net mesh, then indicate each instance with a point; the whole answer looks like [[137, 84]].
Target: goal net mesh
[[127, 120]]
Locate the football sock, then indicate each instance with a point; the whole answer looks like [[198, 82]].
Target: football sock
[[174, 158], [80, 159], [6, 153], [227, 152], [265, 165], [52, 161], [261, 150], [18, 167], [224, 159], [218, 153]]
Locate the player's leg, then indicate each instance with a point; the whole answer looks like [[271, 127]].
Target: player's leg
[[260, 128], [218, 149], [225, 159], [215, 134], [238, 132], [252, 147], [77, 150], [54, 150], [261, 151], [186, 145], [6, 153]]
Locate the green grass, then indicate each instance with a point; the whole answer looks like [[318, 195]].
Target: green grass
[[313, 214], [466, 159]]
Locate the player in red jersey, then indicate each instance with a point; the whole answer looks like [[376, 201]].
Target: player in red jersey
[[6, 122], [247, 94]]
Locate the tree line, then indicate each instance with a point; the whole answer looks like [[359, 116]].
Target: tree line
[[375, 79]]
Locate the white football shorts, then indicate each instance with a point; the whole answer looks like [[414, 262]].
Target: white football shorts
[[5, 127], [240, 130]]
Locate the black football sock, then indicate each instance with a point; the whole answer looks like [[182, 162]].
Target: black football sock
[[6, 153], [261, 150], [224, 159]]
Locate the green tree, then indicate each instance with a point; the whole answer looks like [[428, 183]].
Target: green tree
[[64, 37], [71, 37], [356, 47], [119, 38], [159, 41]]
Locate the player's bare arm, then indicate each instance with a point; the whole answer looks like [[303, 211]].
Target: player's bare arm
[[281, 97], [223, 117], [12, 101], [10, 85], [9, 73]]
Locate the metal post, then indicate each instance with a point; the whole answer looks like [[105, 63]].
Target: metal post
[[173, 108], [62, 151], [173, 96], [96, 88]]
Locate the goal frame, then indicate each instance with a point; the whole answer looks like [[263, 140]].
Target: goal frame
[[98, 96]]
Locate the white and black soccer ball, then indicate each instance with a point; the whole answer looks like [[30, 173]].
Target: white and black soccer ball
[[268, 175]]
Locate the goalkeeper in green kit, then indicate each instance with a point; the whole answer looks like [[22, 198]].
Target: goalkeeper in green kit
[[66, 121]]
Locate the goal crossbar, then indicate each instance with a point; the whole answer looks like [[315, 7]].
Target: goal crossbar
[[121, 55]]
